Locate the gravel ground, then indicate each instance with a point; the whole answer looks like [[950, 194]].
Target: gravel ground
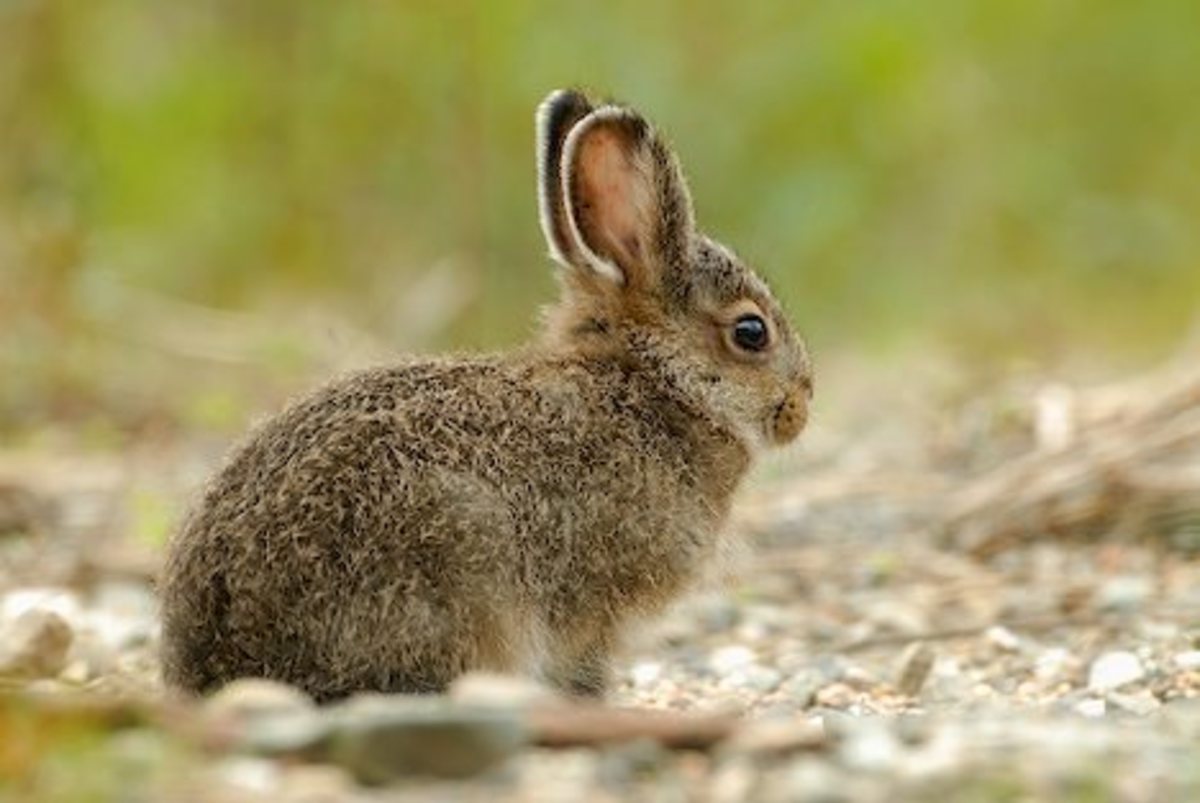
[[858, 655]]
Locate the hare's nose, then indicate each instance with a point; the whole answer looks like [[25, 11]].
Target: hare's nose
[[791, 415]]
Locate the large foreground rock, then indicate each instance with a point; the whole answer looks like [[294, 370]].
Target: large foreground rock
[[380, 739]]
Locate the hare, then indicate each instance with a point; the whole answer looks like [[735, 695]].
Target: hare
[[511, 513]]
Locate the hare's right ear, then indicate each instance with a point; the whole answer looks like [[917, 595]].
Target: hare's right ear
[[556, 116]]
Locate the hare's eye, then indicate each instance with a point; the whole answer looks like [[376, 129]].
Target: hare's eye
[[750, 333]]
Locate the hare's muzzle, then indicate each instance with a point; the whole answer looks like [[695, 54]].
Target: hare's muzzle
[[791, 415]]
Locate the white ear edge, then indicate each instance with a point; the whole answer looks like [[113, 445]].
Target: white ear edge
[[545, 209], [598, 263]]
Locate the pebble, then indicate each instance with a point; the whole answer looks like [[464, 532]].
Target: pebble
[[1112, 670], [493, 689], [55, 600], [250, 697], [1003, 639], [1091, 708], [1140, 704], [753, 677], [298, 732], [1187, 661], [257, 776], [380, 739], [716, 614], [725, 660], [1124, 593], [645, 674], [621, 765], [802, 687], [122, 615], [947, 681], [915, 666], [35, 645], [1055, 664], [870, 746], [268, 718], [836, 695]]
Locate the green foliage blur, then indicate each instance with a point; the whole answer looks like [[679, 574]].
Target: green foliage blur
[[192, 194]]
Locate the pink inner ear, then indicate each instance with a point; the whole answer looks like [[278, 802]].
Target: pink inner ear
[[616, 213]]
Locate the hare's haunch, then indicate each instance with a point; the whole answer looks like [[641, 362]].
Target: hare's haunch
[[410, 523]]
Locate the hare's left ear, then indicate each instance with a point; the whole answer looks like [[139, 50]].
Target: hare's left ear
[[627, 204], [557, 114]]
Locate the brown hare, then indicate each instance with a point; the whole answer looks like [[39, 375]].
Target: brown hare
[[511, 513]]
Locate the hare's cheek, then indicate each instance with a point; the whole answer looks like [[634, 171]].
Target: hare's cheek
[[790, 417]]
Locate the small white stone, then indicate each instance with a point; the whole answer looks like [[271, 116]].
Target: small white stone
[[1054, 664], [871, 748], [645, 674], [1187, 661], [1112, 670], [1091, 708], [1003, 638], [245, 773], [122, 615], [753, 677], [726, 659]]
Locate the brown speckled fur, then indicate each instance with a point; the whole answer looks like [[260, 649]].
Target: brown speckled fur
[[407, 524]]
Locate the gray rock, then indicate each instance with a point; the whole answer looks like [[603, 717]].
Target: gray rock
[[381, 739], [269, 718], [303, 732], [35, 645], [619, 767], [716, 614]]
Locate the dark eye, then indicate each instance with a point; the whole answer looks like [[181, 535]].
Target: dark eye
[[750, 333]]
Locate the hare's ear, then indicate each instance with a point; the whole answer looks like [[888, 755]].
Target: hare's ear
[[557, 114], [627, 202]]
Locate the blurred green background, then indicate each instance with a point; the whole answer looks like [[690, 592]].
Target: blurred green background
[[203, 202]]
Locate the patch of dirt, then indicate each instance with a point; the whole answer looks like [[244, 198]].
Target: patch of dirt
[[867, 649]]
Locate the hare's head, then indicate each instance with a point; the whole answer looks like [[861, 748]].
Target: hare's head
[[640, 281]]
